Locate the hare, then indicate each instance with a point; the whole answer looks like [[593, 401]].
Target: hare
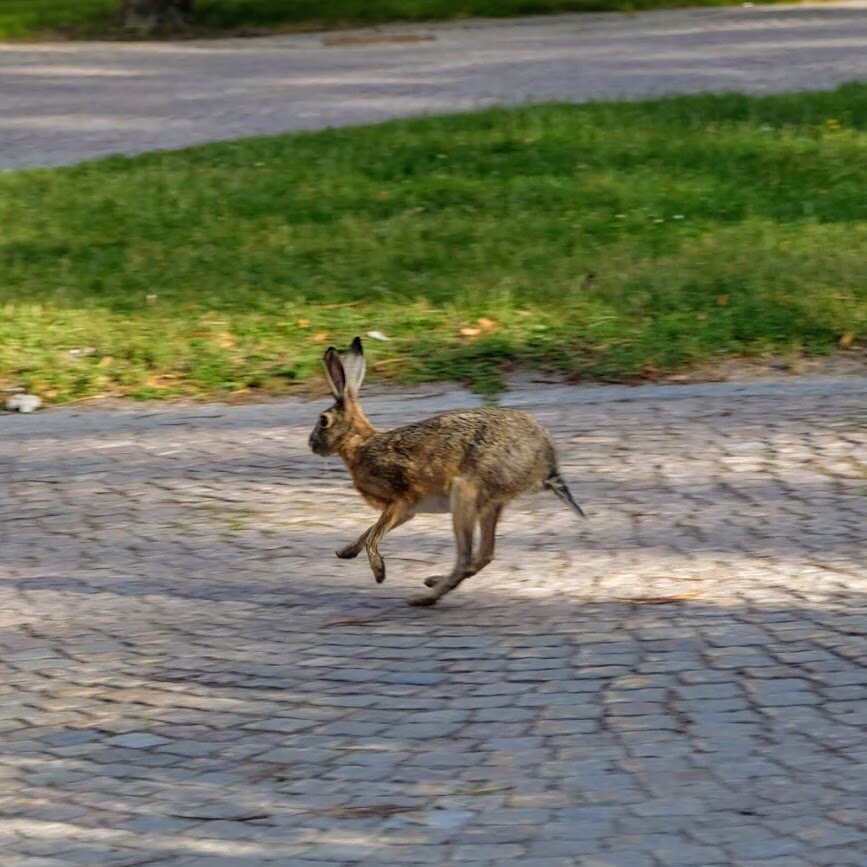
[[467, 462]]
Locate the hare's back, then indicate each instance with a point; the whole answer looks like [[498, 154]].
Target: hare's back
[[504, 450]]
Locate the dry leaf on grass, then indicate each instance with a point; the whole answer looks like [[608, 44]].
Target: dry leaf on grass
[[487, 324], [846, 339], [321, 337], [471, 332], [303, 323], [159, 380], [343, 304], [105, 361]]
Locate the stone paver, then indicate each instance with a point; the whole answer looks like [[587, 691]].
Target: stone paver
[[188, 676], [62, 103]]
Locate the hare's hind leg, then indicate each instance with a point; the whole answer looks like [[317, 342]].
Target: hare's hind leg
[[464, 515], [487, 539]]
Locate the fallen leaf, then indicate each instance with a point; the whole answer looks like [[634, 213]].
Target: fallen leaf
[[485, 790], [321, 337], [487, 324], [303, 323], [374, 38], [343, 304], [722, 300], [660, 600], [158, 380], [363, 812], [846, 339], [377, 335], [226, 341], [471, 332], [352, 621], [206, 815], [105, 361]]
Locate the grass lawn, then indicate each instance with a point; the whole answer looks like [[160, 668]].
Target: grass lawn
[[714, 225], [35, 18]]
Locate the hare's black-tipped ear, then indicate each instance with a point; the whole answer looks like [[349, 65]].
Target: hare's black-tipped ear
[[335, 372], [355, 367]]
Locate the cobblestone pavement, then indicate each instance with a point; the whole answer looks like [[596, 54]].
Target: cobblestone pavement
[[189, 677], [62, 103]]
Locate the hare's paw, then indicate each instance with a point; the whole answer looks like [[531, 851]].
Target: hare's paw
[[348, 552], [423, 600], [378, 566], [432, 580]]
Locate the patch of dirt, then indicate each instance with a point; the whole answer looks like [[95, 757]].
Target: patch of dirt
[[375, 38], [842, 364], [852, 363]]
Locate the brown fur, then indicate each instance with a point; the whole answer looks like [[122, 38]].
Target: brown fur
[[469, 462]]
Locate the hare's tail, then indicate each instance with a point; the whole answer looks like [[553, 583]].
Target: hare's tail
[[555, 483]]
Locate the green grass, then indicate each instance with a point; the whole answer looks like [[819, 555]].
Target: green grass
[[84, 18], [715, 226], [35, 18]]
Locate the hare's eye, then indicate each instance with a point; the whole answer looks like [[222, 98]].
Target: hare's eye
[[323, 421]]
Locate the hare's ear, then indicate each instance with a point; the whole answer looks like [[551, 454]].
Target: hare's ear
[[354, 366], [335, 372]]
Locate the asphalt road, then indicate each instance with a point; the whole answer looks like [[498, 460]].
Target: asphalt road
[[61, 103]]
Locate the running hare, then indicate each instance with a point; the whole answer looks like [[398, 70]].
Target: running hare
[[469, 462]]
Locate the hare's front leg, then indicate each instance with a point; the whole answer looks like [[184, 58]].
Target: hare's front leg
[[463, 503], [395, 515], [353, 549]]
